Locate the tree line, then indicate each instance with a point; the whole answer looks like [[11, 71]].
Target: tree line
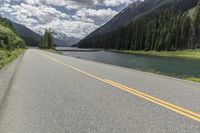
[[46, 41], [174, 27]]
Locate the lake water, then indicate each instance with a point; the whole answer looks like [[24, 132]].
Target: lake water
[[177, 67]]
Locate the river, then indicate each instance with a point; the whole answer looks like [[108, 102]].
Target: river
[[176, 67]]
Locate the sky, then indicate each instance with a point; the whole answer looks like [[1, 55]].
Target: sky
[[74, 18]]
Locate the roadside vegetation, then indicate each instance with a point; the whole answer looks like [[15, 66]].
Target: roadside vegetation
[[8, 56], [9, 40], [11, 45]]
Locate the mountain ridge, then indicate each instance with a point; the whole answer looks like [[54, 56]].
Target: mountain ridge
[[166, 26], [126, 15], [32, 38]]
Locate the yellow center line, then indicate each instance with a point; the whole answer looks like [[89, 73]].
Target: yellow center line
[[167, 105], [172, 107], [154, 98]]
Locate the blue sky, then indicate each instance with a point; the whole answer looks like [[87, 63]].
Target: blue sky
[[74, 18]]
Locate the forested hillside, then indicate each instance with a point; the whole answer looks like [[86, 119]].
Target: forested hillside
[[173, 26], [132, 12], [9, 39]]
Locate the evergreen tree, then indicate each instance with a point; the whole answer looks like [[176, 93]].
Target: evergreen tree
[[47, 40], [197, 27], [185, 32]]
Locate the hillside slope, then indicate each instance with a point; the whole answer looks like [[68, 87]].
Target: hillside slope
[[133, 11], [10, 43], [32, 38], [174, 25], [9, 39]]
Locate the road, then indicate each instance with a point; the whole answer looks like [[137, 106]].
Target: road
[[52, 93]]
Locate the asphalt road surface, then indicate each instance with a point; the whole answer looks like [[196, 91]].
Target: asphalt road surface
[[52, 93]]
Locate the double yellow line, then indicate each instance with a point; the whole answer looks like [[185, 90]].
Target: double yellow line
[[157, 101], [172, 107]]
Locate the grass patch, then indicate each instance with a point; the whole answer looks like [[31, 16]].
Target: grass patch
[[193, 79], [53, 51], [8, 56], [193, 54]]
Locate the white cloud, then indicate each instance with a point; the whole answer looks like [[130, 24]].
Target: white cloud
[[113, 3], [99, 14], [40, 14], [46, 2], [69, 4], [71, 28], [39, 17], [78, 4]]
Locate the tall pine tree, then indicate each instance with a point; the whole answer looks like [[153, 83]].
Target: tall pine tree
[[47, 40]]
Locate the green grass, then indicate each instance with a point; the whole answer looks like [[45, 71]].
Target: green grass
[[53, 51], [193, 79], [192, 54], [8, 56]]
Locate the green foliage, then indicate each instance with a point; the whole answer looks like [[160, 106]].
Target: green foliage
[[192, 13], [9, 40], [197, 27], [10, 43], [168, 28], [193, 79], [6, 56], [47, 40]]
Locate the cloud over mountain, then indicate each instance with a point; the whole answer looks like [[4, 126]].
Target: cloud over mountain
[[75, 18]]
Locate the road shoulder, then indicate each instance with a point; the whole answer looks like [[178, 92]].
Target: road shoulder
[[6, 77]]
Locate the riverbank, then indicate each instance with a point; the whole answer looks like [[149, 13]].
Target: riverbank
[[8, 56], [183, 68], [193, 79], [191, 54]]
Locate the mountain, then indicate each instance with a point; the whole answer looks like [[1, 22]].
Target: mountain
[[32, 39], [64, 39], [156, 25], [132, 12]]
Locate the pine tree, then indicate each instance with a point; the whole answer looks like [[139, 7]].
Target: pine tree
[[46, 40], [185, 32], [197, 27]]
